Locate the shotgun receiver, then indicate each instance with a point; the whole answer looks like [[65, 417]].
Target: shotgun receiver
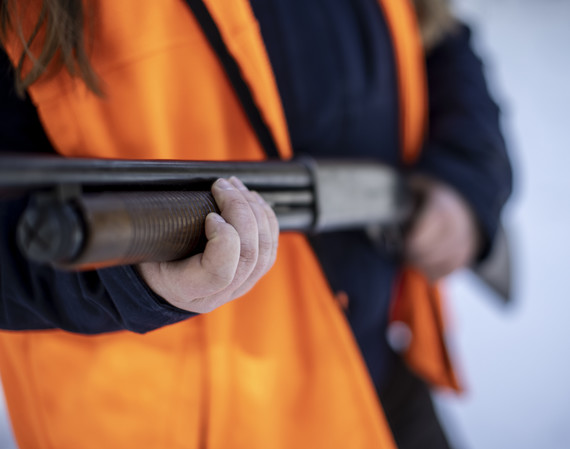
[[100, 212]]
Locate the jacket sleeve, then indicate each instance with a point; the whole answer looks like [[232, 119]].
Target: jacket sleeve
[[34, 296], [465, 147]]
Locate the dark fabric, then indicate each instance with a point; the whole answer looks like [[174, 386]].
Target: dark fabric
[[334, 67], [39, 297], [20, 128], [409, 410], [465, 146], [333, 63]]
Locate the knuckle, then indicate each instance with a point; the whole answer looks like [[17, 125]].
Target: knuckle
[[236, 205], [243, 220], [249, 254]]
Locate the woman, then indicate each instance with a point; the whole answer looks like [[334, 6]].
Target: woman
[[279, 367]]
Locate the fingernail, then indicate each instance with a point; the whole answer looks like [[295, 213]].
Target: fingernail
[[237, 183], [224, 184], [216, 217]]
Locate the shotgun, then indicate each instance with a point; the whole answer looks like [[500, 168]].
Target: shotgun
[[85, 213]]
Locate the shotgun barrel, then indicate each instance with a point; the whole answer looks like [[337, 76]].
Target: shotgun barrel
[[87, 213]]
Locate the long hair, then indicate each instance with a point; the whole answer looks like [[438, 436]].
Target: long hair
[[60, 24]]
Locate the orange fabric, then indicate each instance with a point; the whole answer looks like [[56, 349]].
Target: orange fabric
[[410, 65], [417, 303], [419, 306], [169, 68], [277, 368], [256, 373]]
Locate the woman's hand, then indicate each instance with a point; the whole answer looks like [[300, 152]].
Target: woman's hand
[[445, 234], [241, 248]]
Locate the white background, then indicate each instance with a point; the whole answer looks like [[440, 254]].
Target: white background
[[515, 361]]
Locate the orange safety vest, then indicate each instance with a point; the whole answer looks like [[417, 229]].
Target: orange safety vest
[[276, 368]]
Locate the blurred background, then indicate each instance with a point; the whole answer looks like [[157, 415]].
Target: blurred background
[[514, 360]]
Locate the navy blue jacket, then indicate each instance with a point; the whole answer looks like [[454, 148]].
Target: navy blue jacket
[[335, 70]]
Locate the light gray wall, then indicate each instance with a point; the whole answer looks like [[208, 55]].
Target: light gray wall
[[516, 362]]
